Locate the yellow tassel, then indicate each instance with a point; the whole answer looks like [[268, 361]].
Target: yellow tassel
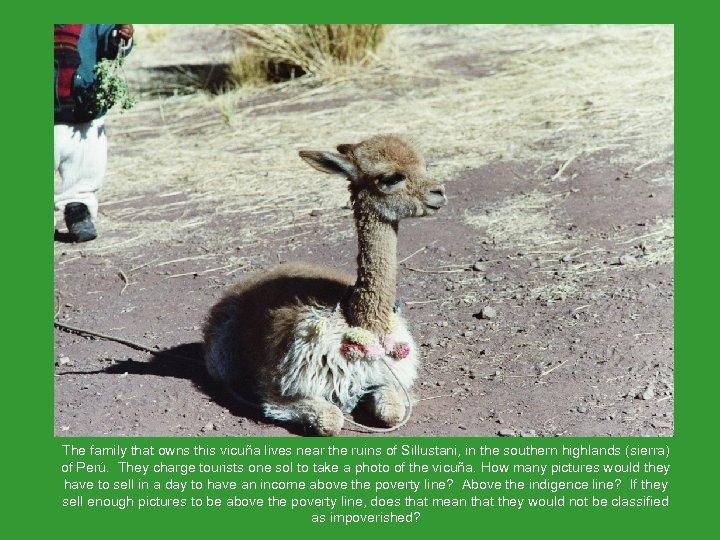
[[392, 324], [360, 336]]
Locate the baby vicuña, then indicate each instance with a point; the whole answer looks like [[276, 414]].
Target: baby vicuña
[[309, 342]]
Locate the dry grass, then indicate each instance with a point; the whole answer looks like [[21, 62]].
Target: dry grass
[[284, 51], [151, 33], [551, 94], [522, 222]]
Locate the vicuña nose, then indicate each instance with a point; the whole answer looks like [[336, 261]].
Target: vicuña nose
[[438, 190]]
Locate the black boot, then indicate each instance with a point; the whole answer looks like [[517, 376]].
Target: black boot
[[79, 224]]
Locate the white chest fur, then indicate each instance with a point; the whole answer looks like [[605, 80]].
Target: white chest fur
[[315, 365]]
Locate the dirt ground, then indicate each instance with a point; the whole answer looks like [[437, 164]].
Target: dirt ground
[[541, 295]]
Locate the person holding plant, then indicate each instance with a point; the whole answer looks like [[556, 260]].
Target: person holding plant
[[81, 100]]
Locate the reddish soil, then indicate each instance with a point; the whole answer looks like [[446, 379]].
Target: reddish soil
[[598, 361], [575, 259]]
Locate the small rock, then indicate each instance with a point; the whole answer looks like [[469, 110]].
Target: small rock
[[566, 258], [208, 427], [439, 383], [460, 426], [626, 259], [468, 333], [648, 393], [581, 409], [488, 313], [661, 425], [506, 432], [494, 277], [63, 360], [478, 266], [316, 212], [528, 433]]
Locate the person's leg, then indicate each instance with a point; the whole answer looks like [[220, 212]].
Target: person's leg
[[81, 159]]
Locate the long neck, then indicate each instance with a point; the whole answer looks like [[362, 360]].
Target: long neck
[[371, 303]]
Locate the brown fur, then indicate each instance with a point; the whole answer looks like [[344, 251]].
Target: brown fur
[[267, 304]]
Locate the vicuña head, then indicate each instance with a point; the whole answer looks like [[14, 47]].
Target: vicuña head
[[311, 343], [387, 177]]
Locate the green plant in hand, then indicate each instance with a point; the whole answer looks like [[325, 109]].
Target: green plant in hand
[[111, 88]]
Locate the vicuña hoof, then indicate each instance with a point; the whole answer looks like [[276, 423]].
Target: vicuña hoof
[[329, 421], [389, 407]]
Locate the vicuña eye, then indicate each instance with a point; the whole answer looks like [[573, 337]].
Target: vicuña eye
[[392, 179]]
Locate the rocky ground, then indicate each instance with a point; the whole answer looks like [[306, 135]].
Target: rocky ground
[[541, 296]]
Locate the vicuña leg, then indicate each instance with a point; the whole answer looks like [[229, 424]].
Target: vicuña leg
[[387, 405], [316, 413]]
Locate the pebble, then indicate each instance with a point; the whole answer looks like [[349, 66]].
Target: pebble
[[488, 313], [63, 360], [626, 259], [581, 409], [494, 277], [460, 426], [506, 432], [208, 427], [649, 392], [478, 266], [315, 212]]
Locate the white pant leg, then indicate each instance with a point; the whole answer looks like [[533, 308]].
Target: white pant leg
[[81, 160]]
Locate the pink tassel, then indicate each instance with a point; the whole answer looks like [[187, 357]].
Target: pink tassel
[[353, 351], [401, 351]]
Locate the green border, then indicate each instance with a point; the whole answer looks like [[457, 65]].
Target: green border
[[31, 454]]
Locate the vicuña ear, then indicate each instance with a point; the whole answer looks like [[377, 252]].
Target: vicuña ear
[[346, 148], [331, 163]]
